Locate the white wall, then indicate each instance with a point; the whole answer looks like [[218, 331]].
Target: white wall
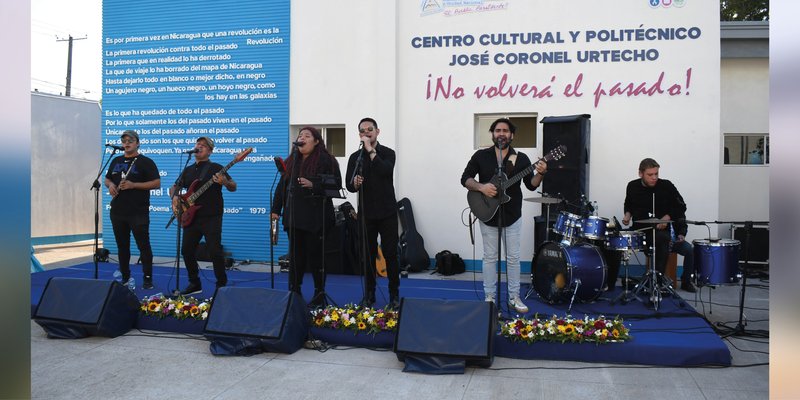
[[64, 163], [343, 67], [354, 58], [744, 189]]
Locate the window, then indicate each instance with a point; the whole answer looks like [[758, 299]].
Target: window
[[525, 137], [746, 149], [332, 134]]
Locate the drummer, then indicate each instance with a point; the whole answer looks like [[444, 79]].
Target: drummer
[[669, 206]]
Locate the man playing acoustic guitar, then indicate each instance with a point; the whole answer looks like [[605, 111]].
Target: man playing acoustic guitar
[[484, 163], [207, 219]]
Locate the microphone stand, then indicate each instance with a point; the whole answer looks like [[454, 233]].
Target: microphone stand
[[362, 224], [96, 187], [288, 203], [271, 242], [739, 329], [500, 229], [178, 185]]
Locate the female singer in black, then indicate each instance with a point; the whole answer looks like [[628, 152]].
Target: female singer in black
[[301, 197]]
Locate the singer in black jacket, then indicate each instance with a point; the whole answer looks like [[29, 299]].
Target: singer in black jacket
[[301, 197], [651, 197], [371, 170]]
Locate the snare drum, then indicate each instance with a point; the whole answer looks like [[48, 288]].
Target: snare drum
[[558, 270], [593, 227], [716, 262], [567, 225], [626, 240]]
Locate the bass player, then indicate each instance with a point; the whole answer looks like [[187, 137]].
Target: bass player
[[207, 221]]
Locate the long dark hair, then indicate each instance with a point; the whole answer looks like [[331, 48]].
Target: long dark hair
[[310, 166]]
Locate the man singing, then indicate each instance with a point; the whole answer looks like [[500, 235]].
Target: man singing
[[378, 207], [207, 221], [484, 163], [129, 180]]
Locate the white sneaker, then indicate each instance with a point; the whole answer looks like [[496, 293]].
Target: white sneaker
[[489, 298], [518, 305]]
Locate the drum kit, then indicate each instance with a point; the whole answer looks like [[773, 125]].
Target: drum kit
[[571, 266]]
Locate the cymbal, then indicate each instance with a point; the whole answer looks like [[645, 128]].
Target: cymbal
[[654, 221], [544, 200]]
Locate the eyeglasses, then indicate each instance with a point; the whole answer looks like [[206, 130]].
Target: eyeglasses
[[370, 129], [128, 141]]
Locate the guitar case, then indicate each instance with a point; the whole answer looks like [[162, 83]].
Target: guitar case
[[411, 247]]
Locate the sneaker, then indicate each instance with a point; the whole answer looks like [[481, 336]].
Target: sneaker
[[688, 286], [489, 298], [192, 289], [518, 305], [147, 283]]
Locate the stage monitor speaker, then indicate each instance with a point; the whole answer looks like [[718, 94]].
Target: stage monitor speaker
[[445, 332], [247, 320], [72, 308], [572, 170]]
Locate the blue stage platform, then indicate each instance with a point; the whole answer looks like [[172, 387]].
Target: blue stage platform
[[675, 335]]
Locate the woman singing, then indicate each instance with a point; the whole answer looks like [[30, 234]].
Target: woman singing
[[300, 195]]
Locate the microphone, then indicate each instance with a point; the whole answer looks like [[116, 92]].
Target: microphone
[[688, 221], [115, 147], [298, 143], [281, 165], [192, 151]]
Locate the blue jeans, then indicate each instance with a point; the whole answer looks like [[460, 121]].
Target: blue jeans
[[685, 249], [511, 244]]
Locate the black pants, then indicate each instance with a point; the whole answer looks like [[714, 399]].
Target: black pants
[[305, 255], [209, 227], [139, 224], [387, 228]]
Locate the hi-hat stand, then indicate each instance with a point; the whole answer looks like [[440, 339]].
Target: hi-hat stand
[[654, 283]]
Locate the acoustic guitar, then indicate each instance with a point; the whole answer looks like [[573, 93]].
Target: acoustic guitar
[[485, 207]]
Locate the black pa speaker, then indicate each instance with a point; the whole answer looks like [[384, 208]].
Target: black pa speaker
[[570, 176], [448, 334], [246, 321], [73, 308]]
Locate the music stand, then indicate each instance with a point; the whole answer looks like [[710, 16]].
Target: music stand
[[331, 189]]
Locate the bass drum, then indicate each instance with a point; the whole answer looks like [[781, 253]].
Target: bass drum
[[559, 269]]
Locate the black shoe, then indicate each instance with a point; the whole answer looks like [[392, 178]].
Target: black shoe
[[147, 284], [688, 286], [393, 305], [366, 302], [318, 301], [192, 289]]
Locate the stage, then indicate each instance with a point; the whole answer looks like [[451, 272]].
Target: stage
[[675, 335]]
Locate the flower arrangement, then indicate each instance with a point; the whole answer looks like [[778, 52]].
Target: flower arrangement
[[181, 307], [567, 329], [354, 318]]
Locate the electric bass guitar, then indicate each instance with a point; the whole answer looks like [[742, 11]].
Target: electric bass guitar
[[485, 207], [186, 200]]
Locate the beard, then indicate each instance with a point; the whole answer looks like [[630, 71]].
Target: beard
[[501, 144]]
